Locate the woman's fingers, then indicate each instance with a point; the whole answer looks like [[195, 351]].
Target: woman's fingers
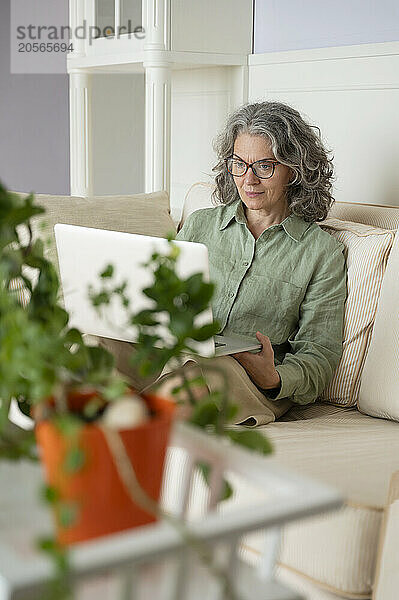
[[267, 347], [260, 366]]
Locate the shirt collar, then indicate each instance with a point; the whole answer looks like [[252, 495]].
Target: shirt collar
[[293, 225]]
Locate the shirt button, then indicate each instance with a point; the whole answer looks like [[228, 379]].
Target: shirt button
[[245, 263], [231, 294]]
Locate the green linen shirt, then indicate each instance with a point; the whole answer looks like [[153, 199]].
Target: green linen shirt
[[289, 284]]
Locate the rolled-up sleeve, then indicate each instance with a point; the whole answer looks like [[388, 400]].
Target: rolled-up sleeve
[[316, 344]]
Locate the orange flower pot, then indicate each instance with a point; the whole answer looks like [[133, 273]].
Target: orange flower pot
[[103, 503]]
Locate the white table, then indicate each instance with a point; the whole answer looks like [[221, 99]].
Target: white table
[[152, 561]]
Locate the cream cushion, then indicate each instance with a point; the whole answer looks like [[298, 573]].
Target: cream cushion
[[337, 551], [379, 391], [367, 250], [146, 214], [340, 447]]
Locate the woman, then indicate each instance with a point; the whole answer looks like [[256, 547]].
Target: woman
[[278, 275]]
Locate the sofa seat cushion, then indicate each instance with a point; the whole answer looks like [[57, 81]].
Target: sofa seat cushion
[[305, 585], [336, 551], [355, 454], [341, 447]]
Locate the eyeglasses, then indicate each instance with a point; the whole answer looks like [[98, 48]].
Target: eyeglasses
[[263, 169]]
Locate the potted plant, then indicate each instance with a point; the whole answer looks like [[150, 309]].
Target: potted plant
[[70, 388]]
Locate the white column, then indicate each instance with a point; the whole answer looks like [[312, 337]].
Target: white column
[[77, 15], [157, 128], [158, 96], [156, 23], [80, 133]]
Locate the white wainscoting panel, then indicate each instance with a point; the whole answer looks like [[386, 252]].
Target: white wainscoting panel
[[201, 101], [352, 94]]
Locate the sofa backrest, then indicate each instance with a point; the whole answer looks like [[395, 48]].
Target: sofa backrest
[[386, 217]]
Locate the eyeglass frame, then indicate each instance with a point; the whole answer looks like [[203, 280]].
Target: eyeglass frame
[[250, 166]]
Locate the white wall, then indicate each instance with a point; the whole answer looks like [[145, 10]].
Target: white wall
[[352, 94], [297, 24], [118, 133]]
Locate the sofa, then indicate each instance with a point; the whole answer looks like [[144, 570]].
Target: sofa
[[349, 438]]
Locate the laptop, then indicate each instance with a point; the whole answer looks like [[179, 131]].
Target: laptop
[[84, 253]]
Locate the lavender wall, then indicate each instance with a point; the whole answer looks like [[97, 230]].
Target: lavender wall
[[299, 24], [34, 123]]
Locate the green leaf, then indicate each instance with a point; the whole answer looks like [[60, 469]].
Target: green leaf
[[47, 544], [4, 410], [57, 553], [205, 332], [67, 513], [101, 298], [68, 425], [108, 272], [170, 236], [114, 390], [205, 471], [73, 336], [74, 460], [145, 318], [50, 494], [181, 324], [100, 360], [92, 408], [253, 440], [205, 413]]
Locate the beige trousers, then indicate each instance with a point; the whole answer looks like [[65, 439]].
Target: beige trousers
[[254, 409]]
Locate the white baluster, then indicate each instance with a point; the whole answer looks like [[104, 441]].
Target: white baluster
[[185, 482], [80, 138], [271, 546], [128, 582]]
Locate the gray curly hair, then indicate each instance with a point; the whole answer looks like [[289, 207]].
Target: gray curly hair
[[294, 142]]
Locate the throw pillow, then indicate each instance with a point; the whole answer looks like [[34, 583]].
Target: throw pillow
[[146, 214], [379, 391], [367, 249]]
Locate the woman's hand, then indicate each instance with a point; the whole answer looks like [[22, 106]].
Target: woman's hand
[[260, 366]]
